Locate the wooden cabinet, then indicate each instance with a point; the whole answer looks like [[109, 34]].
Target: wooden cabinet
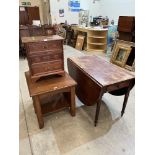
[[28, 14], [96, 40], [126, 28], [45, 55]]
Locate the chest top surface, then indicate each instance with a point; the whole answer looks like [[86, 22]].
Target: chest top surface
[[40, 38], [105, 73], [48, 84]]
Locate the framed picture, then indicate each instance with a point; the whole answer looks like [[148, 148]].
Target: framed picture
[[121, 52], [79, 42], [61, 12]]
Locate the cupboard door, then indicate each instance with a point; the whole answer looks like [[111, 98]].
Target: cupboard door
[[23, 16], [33, 14]]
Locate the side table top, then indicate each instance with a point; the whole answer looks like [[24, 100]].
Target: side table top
[[41, 38], [103, 72], [48, 84]]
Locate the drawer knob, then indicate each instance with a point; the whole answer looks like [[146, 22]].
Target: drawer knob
[[44, 47]]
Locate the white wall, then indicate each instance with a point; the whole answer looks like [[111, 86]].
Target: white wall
[[72, 17], [115, 8], [111, 8]]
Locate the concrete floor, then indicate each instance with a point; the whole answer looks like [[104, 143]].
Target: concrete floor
[[66, 135]]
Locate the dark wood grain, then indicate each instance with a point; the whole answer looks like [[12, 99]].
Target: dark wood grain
[[44, 55], [51, 94], [95, 76]]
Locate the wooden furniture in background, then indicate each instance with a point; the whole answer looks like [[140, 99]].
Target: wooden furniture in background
[[95, 77], [51, 94], [44, 55], [96, 38], [126, 28], [79, 42], [31, 30], [123, 54], [28, 14]]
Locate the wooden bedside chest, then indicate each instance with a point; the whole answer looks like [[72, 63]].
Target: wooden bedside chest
[[44, 55]]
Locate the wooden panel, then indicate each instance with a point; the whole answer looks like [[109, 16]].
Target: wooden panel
[[41, 38], [126, 23], [49, 84], [33, 14], [46, 57], [23, 16], [42, 46], [79, 42], [87, 90], [102, 71], [52, 103], [46, 67]]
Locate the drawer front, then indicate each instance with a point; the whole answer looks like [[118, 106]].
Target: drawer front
[[118, 86], [49, 56], [47, 67], [44, 46]]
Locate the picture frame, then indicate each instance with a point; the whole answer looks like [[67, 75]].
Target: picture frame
[[121, 52], [80, 42], [61, 12]]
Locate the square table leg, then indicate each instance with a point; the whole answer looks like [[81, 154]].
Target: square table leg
[[72, 101], [38, 111]]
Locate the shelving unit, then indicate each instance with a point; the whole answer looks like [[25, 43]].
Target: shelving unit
[[97, 40]]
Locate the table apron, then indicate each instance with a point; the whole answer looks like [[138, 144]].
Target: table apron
[[118, 86]]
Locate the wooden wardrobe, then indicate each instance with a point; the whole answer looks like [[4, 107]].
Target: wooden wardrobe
[[28, 14]]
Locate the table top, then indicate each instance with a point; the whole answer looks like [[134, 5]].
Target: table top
[[102, 71], [41, 38], [86, 29], [48, 84]]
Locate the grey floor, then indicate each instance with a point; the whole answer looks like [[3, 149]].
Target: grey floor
[[66, 135]]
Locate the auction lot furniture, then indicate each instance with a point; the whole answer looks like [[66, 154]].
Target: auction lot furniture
[[95, 77], [44, 55], [126, 28], [31, 31], [51, 94], [96, 38]]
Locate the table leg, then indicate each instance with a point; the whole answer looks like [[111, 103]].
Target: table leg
[[126, 96], [72, 101], [125, 102], [97, 112], [34, 104], [38, 111]]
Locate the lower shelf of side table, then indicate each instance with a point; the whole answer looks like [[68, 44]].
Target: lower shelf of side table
[[53, 103]]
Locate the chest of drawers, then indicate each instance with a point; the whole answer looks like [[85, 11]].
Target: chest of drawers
[[44, 55]]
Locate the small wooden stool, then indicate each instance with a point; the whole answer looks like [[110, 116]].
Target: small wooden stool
[[51, 94]]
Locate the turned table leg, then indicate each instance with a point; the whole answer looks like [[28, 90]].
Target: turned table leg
[[125, 102], [97, 112], [127, 96], [38, 111], [72, 101]]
